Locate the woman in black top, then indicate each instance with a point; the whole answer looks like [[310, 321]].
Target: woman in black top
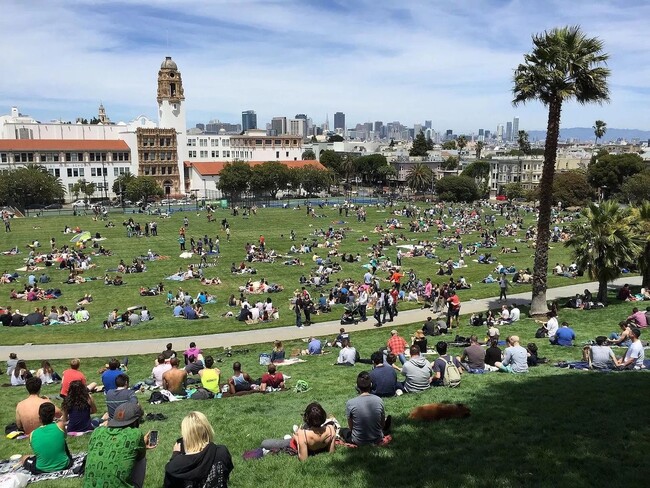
[[493, 353]]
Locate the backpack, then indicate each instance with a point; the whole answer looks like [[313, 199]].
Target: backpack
[[451, 377], [301, 386], [541, 333]]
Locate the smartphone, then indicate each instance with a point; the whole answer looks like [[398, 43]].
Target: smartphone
[[153, 438]]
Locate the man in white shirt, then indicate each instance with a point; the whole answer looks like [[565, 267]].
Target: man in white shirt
[[363, 303], [635, 355], [505, 314], [159, 370], [515, 314], [347, 355], [551, 325]]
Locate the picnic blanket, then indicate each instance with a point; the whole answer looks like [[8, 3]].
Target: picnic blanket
[[584, 365], [290, 361], [33, 268], [7, 471]]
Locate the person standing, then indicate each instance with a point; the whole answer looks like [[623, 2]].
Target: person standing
[[453, 309], [503, 288], [297, 308], [363, 302]]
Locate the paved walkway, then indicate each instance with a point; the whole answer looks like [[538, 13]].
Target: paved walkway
[[149, 346]]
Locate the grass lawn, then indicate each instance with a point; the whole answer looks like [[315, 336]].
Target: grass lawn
[[551, 427], [274, 224]]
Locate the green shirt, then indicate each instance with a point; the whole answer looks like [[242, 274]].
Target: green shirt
[[48, 444], [112, 454]]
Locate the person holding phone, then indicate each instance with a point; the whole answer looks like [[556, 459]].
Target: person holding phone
[[117, 453], [196, 459]]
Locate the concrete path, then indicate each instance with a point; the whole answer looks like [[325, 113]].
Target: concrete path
[[331, 328]]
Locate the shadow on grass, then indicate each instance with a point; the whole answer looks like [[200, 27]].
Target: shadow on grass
[[567, 429]]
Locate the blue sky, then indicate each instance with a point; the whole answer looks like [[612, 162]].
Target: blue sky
[[450, 62]]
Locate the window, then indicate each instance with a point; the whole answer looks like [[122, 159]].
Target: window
[[214, 142], [287, 153], [277, 154], [192, 154], [3, 157], [56, 172], [203, 142], [225, 142], [170, 170], [278, 142], [162, 170], [75, 172], [146, 170], [153, 170], [215, 154], [24, 157], [191, 142], [226, 154], [204, 154]]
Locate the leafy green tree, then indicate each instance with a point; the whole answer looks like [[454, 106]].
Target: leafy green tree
[[602, 243], [234, 179], [270, 177], [636, 189], [369, 167], [348, 165], [572, 189], [480, 171], [331, 160], [641, 232], [386, 173], [31, 184], [313, 179], [143, 188], [449, 145], [600, 128], [479, 149], [419, 178], [607, 172], [308, 155], [513, 190], [420, 145], [457, 189], [89, 189], [450, 163], [429, 143], [564, 64]]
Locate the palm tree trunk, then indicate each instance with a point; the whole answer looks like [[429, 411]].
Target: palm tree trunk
[[645, 282], [602, 292], [540, 270]]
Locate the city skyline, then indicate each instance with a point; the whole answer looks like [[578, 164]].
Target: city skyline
[[316, 58]]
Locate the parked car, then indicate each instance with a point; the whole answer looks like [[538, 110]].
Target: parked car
[[80, 203], [35, 206], [53, 206]]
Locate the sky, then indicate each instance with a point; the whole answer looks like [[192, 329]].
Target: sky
[[450, 62]]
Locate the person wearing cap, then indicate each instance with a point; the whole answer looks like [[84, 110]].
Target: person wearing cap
[[397, 345], [116, 454], [635, 355]]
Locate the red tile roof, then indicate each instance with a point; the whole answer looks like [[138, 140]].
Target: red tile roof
[[63, 145], [215, 167]]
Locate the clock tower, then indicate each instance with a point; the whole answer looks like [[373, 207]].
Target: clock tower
[[171, 110]]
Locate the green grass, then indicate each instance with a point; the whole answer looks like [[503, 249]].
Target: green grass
[[551, 427], [273, 223]]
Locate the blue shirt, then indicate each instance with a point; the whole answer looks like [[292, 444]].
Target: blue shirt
[[177, 310], [108, 379], [384, 380], [315, 347], [202, 299], [565, 336], [190, 313]]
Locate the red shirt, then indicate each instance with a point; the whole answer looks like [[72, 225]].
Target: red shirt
[[273, 380], [70, 375], [397, 344]]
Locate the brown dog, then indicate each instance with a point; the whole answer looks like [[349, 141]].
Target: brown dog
[[440, 411]]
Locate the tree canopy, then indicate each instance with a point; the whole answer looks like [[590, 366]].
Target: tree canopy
[[308, 154], [420, 145], [31, 184], [419, 177], [335, 138], [143, 188], [449, 145], [234, 179], [270, 177], [608, 172], [572, 189], [457, 189], [636, 189]]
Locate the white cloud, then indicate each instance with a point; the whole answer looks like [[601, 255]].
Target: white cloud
[[451, 62]]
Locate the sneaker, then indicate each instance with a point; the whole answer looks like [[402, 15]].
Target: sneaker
[[301, 327]]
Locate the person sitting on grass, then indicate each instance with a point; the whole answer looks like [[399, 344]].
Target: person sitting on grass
[[210, 376], [315, 436], [515, 358], [78, 406], [417, 371], [440, 364], [48, 443], [194, 366], [383, 377], [622, 338], [601, 356], [639, 318], [473, 357], [367, 421], [109, 376], [196, 460], [347, 354], [635, 355], [239, 381], [278, 353], [119, 395], [74, 374], [175, 380], [272, 379], [564, 336], [27, 410]]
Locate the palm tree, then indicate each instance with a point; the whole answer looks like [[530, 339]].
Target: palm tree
[[603, 243], [641, 230], [419, 177], [563, 65], [600, 128], [461, 143], [479, 149]]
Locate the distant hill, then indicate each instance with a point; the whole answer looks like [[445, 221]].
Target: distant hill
[[587, 134]]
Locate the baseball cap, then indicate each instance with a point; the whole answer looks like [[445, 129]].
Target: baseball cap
[[125, 415], [393, 332]]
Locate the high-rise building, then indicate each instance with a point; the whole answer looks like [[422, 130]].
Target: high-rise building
[[339, 120], [509, 131], [428, 124], [297, 127], [248, 120], [515, 128], [377, 126], [500, 132], [416, 129], [279, 125], [449, 134], [487, 134], [200, 126]]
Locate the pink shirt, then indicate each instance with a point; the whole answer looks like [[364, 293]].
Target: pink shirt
[[639, 318]]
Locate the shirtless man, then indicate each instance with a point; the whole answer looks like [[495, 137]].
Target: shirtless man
[[175, 379], [27, 418]]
